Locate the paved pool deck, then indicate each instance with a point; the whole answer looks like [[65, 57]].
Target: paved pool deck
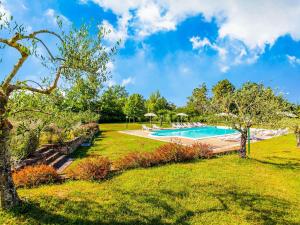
[[218, 145]]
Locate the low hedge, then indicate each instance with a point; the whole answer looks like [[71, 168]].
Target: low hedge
[[168, 153], [91, 169]]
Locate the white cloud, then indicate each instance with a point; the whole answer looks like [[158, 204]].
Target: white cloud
[[197, 43], [111, 83], [293, 60], [127, 81], [110, 66], [151, 19], [231, 52], [52, 15], [224, 68], [116, 34], [254, 23], [4, 12]]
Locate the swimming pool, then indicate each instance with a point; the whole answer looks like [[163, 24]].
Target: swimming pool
[[194, 132]]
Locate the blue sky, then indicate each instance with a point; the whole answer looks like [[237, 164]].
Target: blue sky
[[173, 46]]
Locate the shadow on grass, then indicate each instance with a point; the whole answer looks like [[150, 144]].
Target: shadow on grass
[[159, 207], [261, 209], [81, 213], [83, 152], [281, 162]]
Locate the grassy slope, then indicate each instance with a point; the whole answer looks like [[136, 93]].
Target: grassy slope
[[225, 190]]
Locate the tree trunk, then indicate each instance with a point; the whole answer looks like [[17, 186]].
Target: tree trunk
[[243, 144], [8, 194], [298, 139]]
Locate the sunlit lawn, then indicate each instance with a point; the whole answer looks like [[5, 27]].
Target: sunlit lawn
[[114, 144], [226, 190]]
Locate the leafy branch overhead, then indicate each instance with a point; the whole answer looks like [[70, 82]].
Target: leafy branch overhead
[[79, 55]]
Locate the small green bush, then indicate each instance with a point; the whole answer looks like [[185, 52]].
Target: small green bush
[[25, 144]]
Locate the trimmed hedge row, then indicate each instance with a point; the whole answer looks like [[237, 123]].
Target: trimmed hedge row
[[168, 153]]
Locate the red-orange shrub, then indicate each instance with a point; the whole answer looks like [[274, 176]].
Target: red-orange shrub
[[32, 176], [134, 160], [204, 150], [91, 169], [166, 153], [186, 153], [171, 152]]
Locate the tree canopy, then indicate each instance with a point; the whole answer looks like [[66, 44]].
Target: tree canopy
[[198, 103], [157, 102], [135, 106], [112, 102], [222, 88]]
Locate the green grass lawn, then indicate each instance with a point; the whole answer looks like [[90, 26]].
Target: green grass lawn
[[114, 145], [264, 189]]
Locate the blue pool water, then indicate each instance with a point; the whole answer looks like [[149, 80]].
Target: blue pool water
[[194, 132]]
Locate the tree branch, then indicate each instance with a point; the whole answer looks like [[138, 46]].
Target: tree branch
[[42, 91], [25, 81], [24, 51], [33, 34], [32, 110], [47, 49], [12, 74]]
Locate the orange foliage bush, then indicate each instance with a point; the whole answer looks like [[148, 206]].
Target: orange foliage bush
[[32, 176], [171, 152], [204, 150], [91, 169], [134, 160], [166, 153]]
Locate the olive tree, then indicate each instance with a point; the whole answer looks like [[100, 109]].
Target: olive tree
[[135, 106], [77, 55], [254, 105]]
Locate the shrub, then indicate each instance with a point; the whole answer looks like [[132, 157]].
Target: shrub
[[171, 152], [166, 153], [32, 176], [24, 144], [134, 160], [203, 150], [91, 169], [91, 127], [186, 153], [86, 129]]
